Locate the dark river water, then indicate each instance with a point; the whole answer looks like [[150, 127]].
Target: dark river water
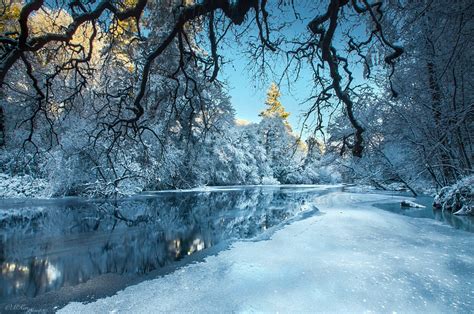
[[66, 242], [74, 249]]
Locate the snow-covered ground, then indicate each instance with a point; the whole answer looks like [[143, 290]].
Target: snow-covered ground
[[353, 258]]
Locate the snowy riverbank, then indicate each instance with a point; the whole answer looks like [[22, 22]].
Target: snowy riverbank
[[457, 198], [352, 258]]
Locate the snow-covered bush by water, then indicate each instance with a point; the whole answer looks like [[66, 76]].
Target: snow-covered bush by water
[[457, 198]]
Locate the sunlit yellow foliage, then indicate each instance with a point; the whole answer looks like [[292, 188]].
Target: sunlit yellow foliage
[[55, 21], [123, 34], [121, 28], [274, 106], [10, 12]]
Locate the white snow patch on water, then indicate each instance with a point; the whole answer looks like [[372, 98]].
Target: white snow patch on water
[[410, 204], [354, 258]]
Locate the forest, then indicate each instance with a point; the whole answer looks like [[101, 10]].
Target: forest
[[236, 156], [103, 98]]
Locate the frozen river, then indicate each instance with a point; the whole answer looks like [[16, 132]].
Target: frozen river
[[286, 248]]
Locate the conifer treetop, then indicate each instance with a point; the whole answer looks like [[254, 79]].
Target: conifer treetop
[[274, 106]]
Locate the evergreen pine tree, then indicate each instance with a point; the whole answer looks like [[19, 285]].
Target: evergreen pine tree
[[274, 107]]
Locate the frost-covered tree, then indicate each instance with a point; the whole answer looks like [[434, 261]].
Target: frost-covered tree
[[424, 136], [125, 95], [85, 131], [436, 106], [155, 30], [282, 147]]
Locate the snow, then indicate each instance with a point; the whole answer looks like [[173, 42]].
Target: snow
[[457, 198], [408, 203], [23, 186], [352, 258], [465, 210]]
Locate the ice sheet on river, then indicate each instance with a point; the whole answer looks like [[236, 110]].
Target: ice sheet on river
[[354, 258]]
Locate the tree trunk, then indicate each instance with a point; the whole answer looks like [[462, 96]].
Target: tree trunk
[[445, 160]]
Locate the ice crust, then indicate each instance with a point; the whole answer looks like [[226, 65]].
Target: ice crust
[[353, 258]]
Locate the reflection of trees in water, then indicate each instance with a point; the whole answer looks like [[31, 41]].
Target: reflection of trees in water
[[72, 243], [459, 222]]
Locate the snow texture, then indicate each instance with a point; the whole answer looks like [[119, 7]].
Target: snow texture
[[23, 186], [353, 258]]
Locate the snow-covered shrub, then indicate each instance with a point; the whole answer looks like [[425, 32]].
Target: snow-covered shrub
[[23, 186], [457, 198], [329, 174], [269, 181]]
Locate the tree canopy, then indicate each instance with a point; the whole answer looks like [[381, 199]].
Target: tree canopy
[[129, 94], [156, 33]]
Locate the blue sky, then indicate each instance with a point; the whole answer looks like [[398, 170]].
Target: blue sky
[[248, 95]]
